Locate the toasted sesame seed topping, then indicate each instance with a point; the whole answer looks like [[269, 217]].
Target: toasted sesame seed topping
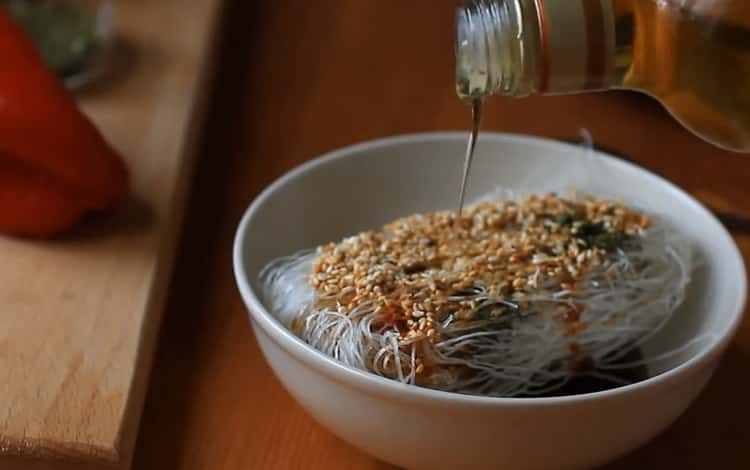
[[424, 269]]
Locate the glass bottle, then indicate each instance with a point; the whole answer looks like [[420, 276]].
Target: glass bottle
[[74, 37], [692, 55]]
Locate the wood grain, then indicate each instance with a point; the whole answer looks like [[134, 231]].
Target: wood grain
[[298, 78], [79, 316]]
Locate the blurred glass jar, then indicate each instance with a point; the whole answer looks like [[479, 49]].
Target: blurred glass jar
[[73, 36]]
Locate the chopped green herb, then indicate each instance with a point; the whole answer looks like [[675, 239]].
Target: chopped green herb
[[590, 229], [608, 241], [565, 219], [595, 235]]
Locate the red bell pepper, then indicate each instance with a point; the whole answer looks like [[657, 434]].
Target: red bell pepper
[[55, 166]]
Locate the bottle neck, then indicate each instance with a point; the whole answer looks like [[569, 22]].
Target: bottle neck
[[522, 47]]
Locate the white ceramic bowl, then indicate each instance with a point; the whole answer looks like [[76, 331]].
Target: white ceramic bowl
[[363, 186]]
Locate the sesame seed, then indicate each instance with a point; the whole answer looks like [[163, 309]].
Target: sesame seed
[[331, 289], [423, 266]]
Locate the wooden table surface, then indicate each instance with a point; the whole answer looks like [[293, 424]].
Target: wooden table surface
[[300, 77]]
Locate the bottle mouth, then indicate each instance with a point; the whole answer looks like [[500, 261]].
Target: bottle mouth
[[472, 77], [491, 50], [484, 43]]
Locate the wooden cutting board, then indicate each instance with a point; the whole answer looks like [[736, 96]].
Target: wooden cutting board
[[79, 317]]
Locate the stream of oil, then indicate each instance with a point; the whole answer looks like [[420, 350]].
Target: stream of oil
[[476, 121]]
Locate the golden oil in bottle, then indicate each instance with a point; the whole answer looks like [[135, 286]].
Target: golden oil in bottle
[[692, 55]]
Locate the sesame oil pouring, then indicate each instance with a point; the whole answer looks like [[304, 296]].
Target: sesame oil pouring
[[476, 121]]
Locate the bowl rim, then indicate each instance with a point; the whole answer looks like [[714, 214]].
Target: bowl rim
[[338, 371]]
